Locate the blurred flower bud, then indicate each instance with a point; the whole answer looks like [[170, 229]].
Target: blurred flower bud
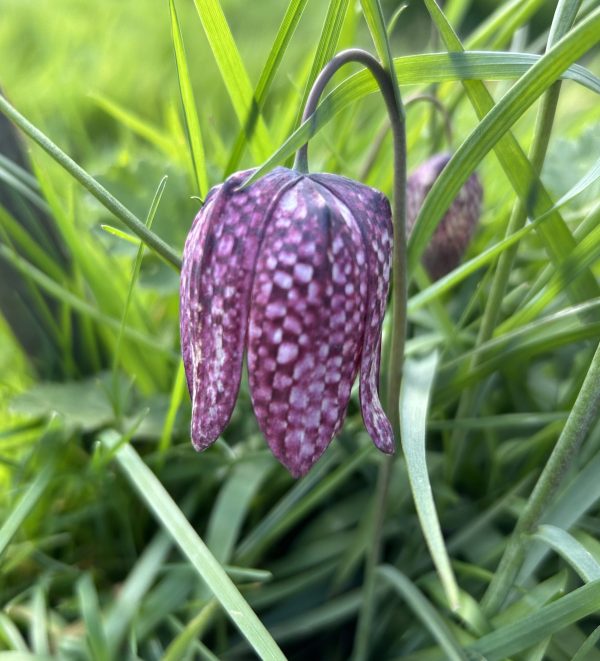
[[453, 234]]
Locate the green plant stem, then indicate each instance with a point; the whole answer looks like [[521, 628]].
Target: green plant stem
[[389, 89], [543, 129], [584, 413], [87, 181]]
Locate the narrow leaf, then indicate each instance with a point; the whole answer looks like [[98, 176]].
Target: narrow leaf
[[88, 182], [234, 74], [428, 615], [529, 630], [28, 501], [166, 512], [572, 551], [189, 105], [414, 401]]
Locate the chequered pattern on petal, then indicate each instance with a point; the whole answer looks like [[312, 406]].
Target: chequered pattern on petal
[[455, 230], [218, 269], [306, 323], [372, 212]]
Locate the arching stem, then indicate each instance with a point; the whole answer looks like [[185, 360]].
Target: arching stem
[[396, 117], [399, 298]]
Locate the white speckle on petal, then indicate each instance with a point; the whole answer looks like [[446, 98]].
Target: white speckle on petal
[[275, 310], [287, 353], [283, 279], [303, 272]]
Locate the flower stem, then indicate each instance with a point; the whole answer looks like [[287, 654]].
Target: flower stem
[[388, 88]]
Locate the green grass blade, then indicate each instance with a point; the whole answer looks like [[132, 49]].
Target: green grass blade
[[529, 630], [23, 656], [88, 182], [588, 646], [494, 130], [38, 625], [129, 297], [297, 503], [499, 28], [284, 35], [109, 229], [234, 74], [28, 501], [70, 299], [571, 550], [134, 589], [326, 47], [423, 609], [583, 256], [178, 648], [11, 635], [545, 334], [189, 105], [23, 189], [90, 609], [414, 403], [138, 125], [418, 70], [31, 248], [581, 494], [177, 392], [160, 503], [232, 505]]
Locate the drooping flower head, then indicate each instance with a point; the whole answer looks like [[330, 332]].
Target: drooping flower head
[[455, 230], [293, 270]]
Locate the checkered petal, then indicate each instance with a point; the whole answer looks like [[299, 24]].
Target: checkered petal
[[219, 260], [372, 212], [306, 324]]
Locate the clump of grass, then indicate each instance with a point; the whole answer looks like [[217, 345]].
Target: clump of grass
[[116, 539]]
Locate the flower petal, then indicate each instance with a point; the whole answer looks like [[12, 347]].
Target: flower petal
[[306, 324], [218, 268], [372, 211]]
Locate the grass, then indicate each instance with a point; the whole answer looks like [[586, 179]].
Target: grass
[[117, 541]]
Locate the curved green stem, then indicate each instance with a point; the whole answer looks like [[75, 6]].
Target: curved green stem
[[399, 299]]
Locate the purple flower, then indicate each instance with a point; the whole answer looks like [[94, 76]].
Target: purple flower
[[294, 270], [453, 234]]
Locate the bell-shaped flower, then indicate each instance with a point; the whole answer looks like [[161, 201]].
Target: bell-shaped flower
[[455, 230], [293, 269]]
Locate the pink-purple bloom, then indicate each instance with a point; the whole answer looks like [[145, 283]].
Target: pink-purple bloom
[[454, 232], [293, 270]]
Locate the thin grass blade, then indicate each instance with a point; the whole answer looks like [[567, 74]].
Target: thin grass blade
[[189, 105], [165, 510], [571, 551], [423, 609], [414, 402], [234, 74]]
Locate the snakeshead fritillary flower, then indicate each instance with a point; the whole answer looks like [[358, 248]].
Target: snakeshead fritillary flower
[[294, 270], [454, 232]]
